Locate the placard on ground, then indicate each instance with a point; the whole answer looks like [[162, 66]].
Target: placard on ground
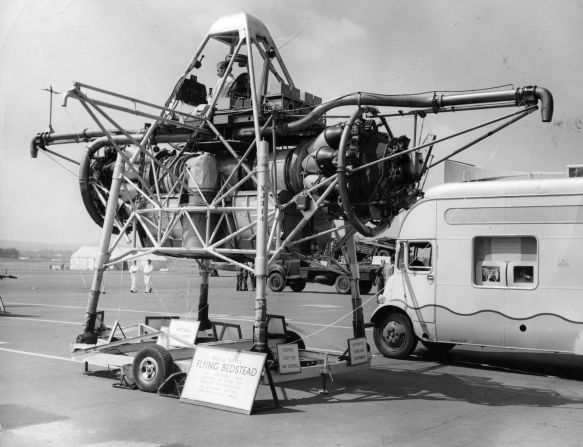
[[288, 358], [223, 378], [357, 350]]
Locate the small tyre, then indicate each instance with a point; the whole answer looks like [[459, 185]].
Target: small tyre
[[276, 281], [437, 348], [383, 252], [293, 337], [394, 336], [151, 367], [342, 285], [364, 287], [298, 285]]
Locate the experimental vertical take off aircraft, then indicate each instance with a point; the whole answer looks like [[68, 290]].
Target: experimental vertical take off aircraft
[[260, 167]]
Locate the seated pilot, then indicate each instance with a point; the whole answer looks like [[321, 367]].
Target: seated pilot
[[221, 67]]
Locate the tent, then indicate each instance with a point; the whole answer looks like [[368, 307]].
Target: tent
[[85, 258]]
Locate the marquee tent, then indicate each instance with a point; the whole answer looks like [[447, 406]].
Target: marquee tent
[[85, 258]]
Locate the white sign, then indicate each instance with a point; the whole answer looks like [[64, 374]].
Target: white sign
[[223, 378], [288, 358], [185, 330], [357, 350]]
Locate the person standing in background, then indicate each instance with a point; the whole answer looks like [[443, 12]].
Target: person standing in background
[[134, 277], [244, 279], [388, 269], [239, 271], [252, 276], [148, 269]]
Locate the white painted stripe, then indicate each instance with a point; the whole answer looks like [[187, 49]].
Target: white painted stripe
[[41, 320], [111, 309], [325, 306], [221, 316], [36, 354]]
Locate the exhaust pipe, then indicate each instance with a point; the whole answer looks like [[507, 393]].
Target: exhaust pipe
[[521, 96]]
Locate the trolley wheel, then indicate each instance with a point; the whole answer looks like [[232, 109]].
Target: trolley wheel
[[293, 337], [151, 367]]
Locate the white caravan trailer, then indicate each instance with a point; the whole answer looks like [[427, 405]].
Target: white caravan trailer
[[493, 264]]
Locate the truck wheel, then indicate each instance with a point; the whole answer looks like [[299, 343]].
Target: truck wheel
[[383, 252], [293, 337], [394, 336], [151, 367], [342, 285], [437, 348], [298, 285], [276, 281], [364, 287]]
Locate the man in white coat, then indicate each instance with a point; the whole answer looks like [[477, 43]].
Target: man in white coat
[[148, 269], [134, 277]]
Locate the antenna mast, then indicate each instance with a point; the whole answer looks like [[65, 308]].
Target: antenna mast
[[52, 92]]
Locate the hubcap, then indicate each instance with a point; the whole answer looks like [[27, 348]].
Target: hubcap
[[148, 369], [394, 335]]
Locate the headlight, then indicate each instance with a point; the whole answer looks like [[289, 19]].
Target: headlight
[[381, 298]]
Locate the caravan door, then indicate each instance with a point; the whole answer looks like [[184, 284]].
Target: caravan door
[[417, 266]]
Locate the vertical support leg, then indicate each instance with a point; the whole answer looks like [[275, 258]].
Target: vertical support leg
[[89, 336], [357, 312], [203, 303], [260, 324]]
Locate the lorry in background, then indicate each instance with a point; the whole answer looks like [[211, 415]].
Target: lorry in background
[[491, 264], [296, 273], [330, 269]]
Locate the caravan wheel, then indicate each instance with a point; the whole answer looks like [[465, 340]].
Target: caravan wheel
[[394, 336]]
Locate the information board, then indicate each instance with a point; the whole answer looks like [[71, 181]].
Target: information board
[[288, 358], [223, 378], [184, 329], [357, 350]]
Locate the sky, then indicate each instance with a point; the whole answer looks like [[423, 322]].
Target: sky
[[141, 47]]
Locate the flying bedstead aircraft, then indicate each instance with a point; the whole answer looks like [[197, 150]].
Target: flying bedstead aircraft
[[259, 167]]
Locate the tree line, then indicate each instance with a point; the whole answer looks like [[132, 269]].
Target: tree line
[[11, 253]]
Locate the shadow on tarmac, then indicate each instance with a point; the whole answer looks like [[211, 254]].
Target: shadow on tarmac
[[565, 366], [406, 380], [13, 315], [386, 384]]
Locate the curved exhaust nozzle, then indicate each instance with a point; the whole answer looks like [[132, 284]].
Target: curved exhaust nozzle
[[547, 103], [533, 94]]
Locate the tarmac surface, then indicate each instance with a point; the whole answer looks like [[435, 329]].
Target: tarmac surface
[[471, 396]]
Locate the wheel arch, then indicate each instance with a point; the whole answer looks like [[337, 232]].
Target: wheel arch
[[381, 312]]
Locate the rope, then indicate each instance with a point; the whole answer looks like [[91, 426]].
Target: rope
[[330, 325]]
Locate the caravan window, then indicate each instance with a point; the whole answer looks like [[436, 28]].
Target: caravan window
[[506, 261], [419, 256]]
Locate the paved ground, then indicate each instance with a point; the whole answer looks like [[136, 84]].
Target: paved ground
[[470, 397]]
